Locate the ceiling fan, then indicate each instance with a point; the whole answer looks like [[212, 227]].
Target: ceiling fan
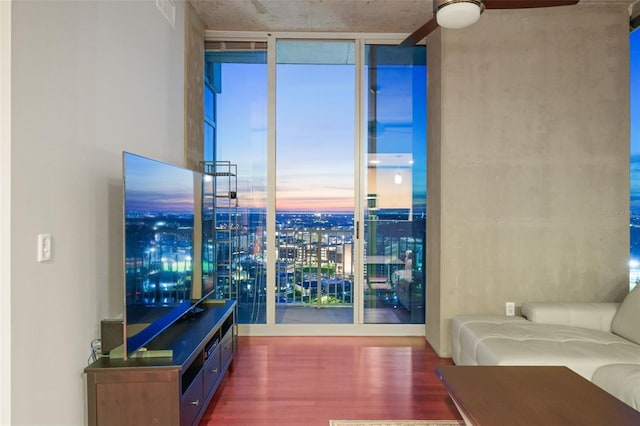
[[462, 13]]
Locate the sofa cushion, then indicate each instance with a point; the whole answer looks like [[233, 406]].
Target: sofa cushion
[[626, 322], [597, 316], [492, 341], [621, 381], [463, 347]]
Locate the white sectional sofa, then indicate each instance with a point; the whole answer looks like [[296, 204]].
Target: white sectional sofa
[[599, 341]]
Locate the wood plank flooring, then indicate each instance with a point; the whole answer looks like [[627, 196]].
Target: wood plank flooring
[[310, 380]]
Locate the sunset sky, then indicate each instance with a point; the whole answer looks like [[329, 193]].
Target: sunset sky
[[153, 186], [314, 131]]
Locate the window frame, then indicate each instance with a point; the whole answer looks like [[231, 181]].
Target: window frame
[[358, 327]]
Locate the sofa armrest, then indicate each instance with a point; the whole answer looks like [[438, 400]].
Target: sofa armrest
[[596, 316]]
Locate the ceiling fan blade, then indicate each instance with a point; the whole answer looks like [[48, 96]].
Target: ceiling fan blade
[[525, 4], [420, 33], [432, 23]]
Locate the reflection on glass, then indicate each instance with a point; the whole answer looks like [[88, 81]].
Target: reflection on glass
[[238, 81], [395, 208]]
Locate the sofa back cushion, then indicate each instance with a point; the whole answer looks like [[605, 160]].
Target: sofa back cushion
[[593, 315], [626, 322]]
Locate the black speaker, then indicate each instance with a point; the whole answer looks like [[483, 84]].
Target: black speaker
[[111, 335]]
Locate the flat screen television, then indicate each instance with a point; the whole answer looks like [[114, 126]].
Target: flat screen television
[[168, 268]]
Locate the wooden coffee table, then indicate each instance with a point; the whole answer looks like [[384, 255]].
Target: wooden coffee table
[[543, 396]]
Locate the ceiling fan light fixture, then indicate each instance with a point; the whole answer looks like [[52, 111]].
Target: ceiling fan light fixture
[[456, 14]]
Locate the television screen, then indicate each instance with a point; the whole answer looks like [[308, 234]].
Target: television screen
[[168, 214]]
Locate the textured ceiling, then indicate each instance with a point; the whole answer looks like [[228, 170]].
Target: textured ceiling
[[358, 16], [366, 16]]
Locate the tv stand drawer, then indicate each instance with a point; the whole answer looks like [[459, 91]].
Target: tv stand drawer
[[192, 401]]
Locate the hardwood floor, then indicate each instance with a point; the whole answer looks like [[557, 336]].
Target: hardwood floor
[[310, 380]]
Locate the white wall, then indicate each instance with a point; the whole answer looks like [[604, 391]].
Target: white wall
[[5, 212], [89, 79]]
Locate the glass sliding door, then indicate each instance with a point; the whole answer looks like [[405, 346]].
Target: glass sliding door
[[634, 171], [315, 133], [235, 151], [343, 194], [395, 179]]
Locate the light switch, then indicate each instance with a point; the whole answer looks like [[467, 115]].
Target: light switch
[[45, 247]]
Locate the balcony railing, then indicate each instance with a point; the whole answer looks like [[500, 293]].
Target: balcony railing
[[314, 267]]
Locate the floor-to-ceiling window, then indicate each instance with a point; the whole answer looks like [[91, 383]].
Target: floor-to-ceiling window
[[395, 181], [235, 144], [348, 179], [315, 128], [634, 261]]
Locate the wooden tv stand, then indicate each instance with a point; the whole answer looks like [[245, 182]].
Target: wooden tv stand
[[166, 390]]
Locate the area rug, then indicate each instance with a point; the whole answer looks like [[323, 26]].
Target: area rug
[[396, 423]]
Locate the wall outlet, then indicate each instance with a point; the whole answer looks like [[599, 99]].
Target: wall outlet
[[510, 309]]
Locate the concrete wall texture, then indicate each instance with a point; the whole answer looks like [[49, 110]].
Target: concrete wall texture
[[528, 186], [194, 88]]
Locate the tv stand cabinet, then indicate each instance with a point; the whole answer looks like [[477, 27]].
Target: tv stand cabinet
[[166, 390]]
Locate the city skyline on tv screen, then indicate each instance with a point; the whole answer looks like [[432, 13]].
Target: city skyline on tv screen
[[156, 187], [159, 224]]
